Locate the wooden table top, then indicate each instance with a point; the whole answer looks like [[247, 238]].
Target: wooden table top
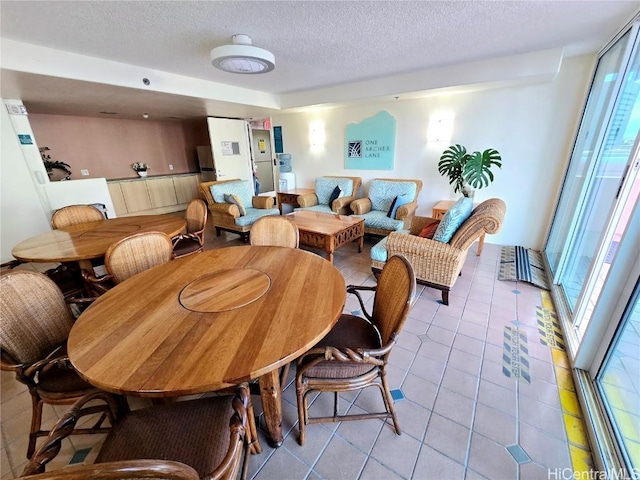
[[207, 321], [91, 240], [324, 223]]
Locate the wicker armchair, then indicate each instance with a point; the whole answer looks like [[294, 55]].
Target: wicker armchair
[[319, 201], [355, 352], [206, 437], [438, 264], [193, 240], [275, 231], [376, 205], [33, 333], [74, 215], [130, 256], [226, 216]]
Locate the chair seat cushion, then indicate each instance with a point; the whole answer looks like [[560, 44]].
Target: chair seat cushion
[[61, 380], [194, 432], [317, 208], [351, 332], [253, 214], [378, 219], [185, 246]]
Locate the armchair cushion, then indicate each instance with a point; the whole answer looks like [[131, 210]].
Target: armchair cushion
[[253, 214], [429, 230], [241, 188], [399, 201], [335, 194], [452, 220], [235, 200], [325, 186], [382, 193], [379, 220]]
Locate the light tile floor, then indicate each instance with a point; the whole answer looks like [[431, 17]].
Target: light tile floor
[[462, 417]]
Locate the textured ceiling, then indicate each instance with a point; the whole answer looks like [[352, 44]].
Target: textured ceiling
[[316, 43]]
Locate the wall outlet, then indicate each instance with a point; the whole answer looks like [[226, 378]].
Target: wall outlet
[[84, 171], [170, 167]]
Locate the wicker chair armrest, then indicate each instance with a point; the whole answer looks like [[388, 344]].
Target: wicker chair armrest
[[353, 289], [57, 358], [361, 206], [65, 426], [307, 200], [262, 202], [342, 202], [406, 210], [224, 209]]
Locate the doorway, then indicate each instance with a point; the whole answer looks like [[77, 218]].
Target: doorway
[[262, 158]]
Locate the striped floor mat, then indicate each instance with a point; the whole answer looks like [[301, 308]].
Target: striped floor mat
[[520, 264]]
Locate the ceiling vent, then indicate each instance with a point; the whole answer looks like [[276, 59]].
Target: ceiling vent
[[242, 57]]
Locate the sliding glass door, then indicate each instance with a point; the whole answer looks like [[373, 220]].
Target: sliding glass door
[[587, 226]]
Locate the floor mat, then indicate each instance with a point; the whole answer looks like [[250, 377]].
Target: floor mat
[[520, 264]]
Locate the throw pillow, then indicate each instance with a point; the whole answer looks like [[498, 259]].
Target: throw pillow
[[429, 230], [452, 220], [397, 203], [235, 200], [335, 194]]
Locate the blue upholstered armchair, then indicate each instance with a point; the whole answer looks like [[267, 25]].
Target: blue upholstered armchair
[[319, 201], [376, 208], [235, 214]]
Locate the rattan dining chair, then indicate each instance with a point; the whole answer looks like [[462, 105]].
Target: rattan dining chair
[[275, 231], [74, 215], [130, 256], [193, 240], [355, 352], [35, 325], [203, 438]]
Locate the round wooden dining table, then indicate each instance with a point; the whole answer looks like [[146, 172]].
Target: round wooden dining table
[[83, 242], [209, 321]]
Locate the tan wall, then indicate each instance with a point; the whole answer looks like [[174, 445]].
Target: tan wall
[[107, 147]]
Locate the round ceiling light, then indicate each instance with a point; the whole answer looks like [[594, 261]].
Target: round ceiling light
[[242, 57]]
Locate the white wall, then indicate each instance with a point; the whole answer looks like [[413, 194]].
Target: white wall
[[22, 213], [532, 126]]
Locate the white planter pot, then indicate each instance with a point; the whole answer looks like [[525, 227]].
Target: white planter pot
[[142, 174]]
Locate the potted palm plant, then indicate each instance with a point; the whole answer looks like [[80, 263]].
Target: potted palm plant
[[468, 171], [55, 170]]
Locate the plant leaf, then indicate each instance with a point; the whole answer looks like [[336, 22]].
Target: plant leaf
[[477, 170], [452, 163]]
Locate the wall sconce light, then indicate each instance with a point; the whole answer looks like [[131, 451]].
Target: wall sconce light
[[440, 130], [317, 135]]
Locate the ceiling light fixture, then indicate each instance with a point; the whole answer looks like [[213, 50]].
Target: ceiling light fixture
[[242, 57]]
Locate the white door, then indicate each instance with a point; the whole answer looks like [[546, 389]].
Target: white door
[[230, 146]]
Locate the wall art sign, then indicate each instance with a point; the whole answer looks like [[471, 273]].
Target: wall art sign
[[371, 144], [25, 139]]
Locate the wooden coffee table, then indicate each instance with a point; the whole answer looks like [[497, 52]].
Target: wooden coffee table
[[328, 231]]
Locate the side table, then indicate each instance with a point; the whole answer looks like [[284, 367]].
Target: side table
[[440, 208], [291, 197]]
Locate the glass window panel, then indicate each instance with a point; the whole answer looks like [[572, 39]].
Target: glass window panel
[[603, 188], [584, 152], [619, 384]]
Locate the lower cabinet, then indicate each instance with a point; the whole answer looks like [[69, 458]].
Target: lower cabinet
[[153, 196]]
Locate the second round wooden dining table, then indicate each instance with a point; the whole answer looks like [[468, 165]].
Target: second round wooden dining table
[[83, 242], [209, 321]]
